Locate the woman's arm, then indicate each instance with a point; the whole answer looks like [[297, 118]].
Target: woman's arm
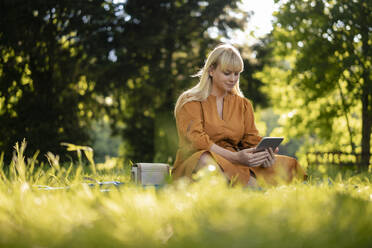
[[246, 157], [189, 122], [251, 137]]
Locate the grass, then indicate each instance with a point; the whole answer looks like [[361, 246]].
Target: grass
[[332, 209]]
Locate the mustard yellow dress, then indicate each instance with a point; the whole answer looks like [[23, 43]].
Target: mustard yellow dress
[[199, 126]]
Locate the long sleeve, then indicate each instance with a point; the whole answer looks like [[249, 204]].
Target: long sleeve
[[190, 126], [251, 135]]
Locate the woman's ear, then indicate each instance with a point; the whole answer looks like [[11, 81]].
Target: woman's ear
[[211, 71]]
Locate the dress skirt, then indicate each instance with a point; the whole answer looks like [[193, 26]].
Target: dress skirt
[[284, 170]]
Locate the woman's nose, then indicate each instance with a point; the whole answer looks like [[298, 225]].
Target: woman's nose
[[233, 77]]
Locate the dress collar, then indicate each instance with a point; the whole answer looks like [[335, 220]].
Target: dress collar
[[225, 97]]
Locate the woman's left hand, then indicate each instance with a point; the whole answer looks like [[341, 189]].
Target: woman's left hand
[[270, 159]]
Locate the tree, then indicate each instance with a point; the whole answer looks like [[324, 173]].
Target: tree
[[159, 45], [47, 49], [65, 63], [322, 51]]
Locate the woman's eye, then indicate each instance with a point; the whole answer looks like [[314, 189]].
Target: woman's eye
[[227, 73]]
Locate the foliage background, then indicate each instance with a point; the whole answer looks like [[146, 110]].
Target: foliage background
[[84, 72], [106, 74]]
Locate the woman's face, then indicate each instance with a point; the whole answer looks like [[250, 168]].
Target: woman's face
[[223, 81]]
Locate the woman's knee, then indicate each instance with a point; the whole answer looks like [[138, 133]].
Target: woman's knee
[[205, 160]]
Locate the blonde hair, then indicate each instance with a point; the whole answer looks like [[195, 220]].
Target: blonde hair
[[225, 56]]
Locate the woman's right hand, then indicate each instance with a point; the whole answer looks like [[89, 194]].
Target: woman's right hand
[[253, 159]]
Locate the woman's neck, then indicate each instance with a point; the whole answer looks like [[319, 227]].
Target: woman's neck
[[218, 92]]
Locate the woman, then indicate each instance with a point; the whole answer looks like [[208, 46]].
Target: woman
[[216, 126]]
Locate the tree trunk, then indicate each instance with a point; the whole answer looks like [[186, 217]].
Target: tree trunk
[[346, 112], [366, 95], [366, 123]]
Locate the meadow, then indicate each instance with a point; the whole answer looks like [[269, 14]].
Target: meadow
[[50, 205]]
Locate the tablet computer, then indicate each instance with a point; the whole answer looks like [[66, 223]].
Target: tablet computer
[[267, 142]]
